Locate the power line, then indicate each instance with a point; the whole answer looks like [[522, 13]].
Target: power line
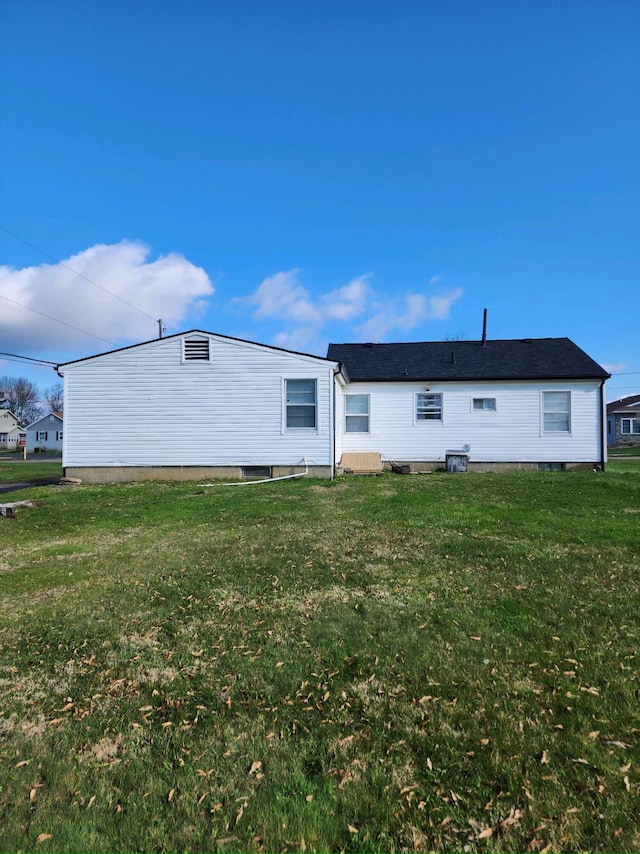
[[56, 320], [30, 359], [75, 272]]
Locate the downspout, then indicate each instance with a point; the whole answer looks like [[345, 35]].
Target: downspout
[[333, 425], [603, 427]]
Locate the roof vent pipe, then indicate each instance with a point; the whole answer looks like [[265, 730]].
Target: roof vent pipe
[[484, 328], [453, 357]]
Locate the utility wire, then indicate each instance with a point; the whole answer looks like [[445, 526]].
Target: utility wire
[[56, 320], [75, 272], [30, 359]]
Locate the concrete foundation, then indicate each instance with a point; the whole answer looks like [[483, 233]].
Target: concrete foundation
[[440, 465], [129, 474]]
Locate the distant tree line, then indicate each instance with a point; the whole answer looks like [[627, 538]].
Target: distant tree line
[[27, 401]]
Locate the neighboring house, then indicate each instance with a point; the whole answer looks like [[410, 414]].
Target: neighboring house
[[203, 405], [623, 421], [46, 433], [11, 433]]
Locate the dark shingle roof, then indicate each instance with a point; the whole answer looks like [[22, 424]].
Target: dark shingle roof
[[521, 359], [625, 404]]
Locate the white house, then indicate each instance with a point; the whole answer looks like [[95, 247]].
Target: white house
[[45, 434], [204, 405], [198, 405], [523, 403], [11, 433]]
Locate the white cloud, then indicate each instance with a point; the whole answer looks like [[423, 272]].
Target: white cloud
[[284, 297], [169, 288], [405, 313], [614, 368]]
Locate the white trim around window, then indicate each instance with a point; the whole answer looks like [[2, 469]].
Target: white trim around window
[[357, 413], [629, 426], [483, 404], [555, 412], [427, 406], [300, 404]]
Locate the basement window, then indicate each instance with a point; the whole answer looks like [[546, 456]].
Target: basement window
[[550, 466], [256, 471], [196, 349]]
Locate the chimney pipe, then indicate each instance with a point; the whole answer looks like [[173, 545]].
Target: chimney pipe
[[484, 328]]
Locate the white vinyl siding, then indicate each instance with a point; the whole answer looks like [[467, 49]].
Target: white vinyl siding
[[121, 408], [510, 434], [556, 411], [356, 408]]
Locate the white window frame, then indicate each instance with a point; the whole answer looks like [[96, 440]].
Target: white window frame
[[59, 436], [285, 405], [196, 340], [418, 409], [632, 421], [42, 435], [543, 412], [484, 409], [348, 415]]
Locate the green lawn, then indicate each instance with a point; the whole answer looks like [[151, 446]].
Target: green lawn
[[438, 662]]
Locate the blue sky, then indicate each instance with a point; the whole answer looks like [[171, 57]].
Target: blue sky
[[303, 172]]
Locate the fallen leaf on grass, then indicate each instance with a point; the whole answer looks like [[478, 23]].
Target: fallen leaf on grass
[[352, 829], [92, 800], [23, 763], [171, 795], [43, 837], [280, 664], [309, 798], [240, 814], [486, 833], [545, 758], [255, 767], [627, 785]]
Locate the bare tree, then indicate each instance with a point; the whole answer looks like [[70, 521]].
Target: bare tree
[[22, 397], [454, 336], [54, 396]]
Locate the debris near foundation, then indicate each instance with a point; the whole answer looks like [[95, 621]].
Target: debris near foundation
[[70, 481], [400, 468]]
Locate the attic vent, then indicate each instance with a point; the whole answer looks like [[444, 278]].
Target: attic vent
[[196, 350]]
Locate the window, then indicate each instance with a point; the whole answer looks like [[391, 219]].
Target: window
[[357, 413], [59, 435], [484, 404], [301, 404], [42, 436], [196, 350], [256, 471], [429, 407], [556, 411], [629, 426]]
